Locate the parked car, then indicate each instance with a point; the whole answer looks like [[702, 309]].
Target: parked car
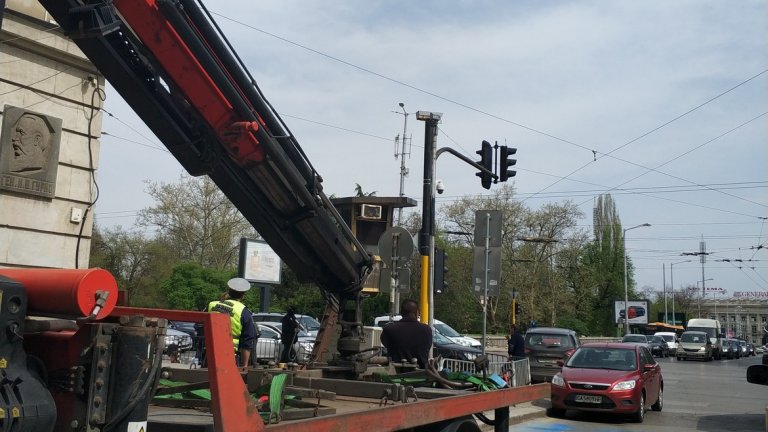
[[441, 327], [637, 339], [544, 346], [658, 346], [609, 377], [176, 341], [310, 325], [671, 338], [184, 326], [302, 347], [759, 349], [695, 345], [448, 349]]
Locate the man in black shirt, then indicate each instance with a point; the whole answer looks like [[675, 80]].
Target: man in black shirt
[[515, 344], [288, 335], [408, 339]]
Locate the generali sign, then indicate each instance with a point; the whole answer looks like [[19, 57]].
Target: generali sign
[[754, 294]]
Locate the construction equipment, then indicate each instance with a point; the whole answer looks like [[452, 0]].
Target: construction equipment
[[91, 365]]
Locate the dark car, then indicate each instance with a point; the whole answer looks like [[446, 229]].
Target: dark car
[[544, 346], [658, 346], [446, 348], [731, 349], [609, 377], [184, 326]]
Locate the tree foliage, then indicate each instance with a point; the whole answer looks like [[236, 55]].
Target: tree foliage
[[197, 220]]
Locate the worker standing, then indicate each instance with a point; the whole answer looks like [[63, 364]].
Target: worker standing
[[408, 338], [288, 335], [241, 319]]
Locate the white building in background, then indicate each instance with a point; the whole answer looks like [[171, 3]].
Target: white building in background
[[744, 316]]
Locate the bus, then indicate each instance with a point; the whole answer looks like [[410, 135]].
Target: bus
[[652, 328]]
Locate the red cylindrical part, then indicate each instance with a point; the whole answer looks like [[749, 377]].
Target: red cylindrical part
[[65, 292]]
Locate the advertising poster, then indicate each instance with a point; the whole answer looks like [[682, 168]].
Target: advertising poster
[[638, 311]]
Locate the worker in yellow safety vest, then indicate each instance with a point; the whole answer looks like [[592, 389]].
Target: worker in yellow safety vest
[[241, 319]]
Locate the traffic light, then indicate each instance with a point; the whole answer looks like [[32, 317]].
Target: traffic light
[[486, 160], [441, 269], [505, 162], [518, 308]]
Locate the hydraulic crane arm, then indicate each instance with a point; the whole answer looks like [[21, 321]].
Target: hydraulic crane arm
[[169, 61]]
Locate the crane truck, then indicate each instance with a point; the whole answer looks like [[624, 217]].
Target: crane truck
[[72, 359]]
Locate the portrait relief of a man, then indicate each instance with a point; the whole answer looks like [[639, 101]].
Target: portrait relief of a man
[[31, 142], [29, 152]]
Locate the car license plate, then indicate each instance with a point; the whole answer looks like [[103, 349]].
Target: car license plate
[[589, 399]]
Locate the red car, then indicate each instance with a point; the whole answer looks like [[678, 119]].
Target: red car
[[609, 377]]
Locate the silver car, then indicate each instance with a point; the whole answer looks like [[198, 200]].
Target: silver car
[[637, 339]]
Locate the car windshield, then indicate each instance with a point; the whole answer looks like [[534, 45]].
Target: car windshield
[[635, 338], [308, 322], [446, 330], [603, 358], [543, 340], [693, 338], [439, 339], [657, 339], [668, 338]]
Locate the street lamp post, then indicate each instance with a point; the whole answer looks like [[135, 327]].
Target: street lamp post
[[626, 290], [672, 281]]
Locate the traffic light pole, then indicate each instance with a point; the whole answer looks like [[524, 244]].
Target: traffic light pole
[[427, 233]]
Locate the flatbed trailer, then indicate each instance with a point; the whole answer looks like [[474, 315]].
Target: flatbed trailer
[[355, 405]]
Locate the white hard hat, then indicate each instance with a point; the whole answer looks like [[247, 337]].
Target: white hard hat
[[239, 284]]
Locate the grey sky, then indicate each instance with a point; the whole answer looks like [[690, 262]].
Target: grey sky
[[554, 79]]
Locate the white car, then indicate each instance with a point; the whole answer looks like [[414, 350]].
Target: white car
[[176, 341], [671, 339], [268, 345], [441, 327]]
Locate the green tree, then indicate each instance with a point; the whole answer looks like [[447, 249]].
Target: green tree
[[532, 241], [604, 258], [197, 220], [138, 263], [191, 286]]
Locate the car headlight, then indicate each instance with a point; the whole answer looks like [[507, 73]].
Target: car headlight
[[470, 356], [702, 349], [625, 385], [558, 380]]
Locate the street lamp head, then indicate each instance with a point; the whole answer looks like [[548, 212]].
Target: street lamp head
[[646, 225], [401, 104]]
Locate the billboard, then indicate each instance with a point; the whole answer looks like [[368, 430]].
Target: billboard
[[258, 262], [638, 311]]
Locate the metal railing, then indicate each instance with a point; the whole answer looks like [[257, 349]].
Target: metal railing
[[517, 373]]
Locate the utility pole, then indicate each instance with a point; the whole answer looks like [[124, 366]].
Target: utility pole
[[402, 153], [702, 254], [427, 233], [394, 295]]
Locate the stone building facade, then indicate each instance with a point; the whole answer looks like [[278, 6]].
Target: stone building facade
[[745, 318], [49, 96]]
